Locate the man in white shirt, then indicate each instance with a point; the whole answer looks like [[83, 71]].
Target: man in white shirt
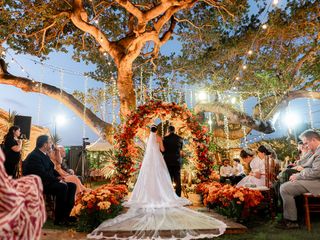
[[226, 171]]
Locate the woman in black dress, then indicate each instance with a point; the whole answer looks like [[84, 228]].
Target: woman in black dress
[[12, 150]]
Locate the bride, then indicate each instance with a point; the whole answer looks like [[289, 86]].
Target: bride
[[155, 211]]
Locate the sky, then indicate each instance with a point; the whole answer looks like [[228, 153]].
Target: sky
[[45, 110]]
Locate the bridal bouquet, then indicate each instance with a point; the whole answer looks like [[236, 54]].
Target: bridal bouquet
[[92, 208], [228, 200]]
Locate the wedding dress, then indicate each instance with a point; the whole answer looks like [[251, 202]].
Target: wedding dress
[[155, 211]]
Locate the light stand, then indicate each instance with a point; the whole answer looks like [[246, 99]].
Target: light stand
[[83, 156]]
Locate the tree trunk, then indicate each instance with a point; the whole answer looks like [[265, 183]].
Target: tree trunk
[[126, 88]]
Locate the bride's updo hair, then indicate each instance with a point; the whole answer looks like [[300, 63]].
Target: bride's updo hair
[[154, 128]]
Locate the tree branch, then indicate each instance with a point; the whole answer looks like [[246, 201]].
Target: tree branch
[[235, 116], [79, 19], [96, 124]]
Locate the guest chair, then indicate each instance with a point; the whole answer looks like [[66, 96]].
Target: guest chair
[[310, 206]]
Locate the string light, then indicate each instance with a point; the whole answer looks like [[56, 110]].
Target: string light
[[243, 126], [310, 113], [264, 26], [226, 130], [150, 87], [250, 52], [104, 108], [84, 107], [114, 103], [275, 2]]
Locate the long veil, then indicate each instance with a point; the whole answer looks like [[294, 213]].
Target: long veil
[[155, 211]]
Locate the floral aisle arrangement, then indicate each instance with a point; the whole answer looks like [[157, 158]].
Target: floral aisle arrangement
[[228, 200], [126, 150], [92, 208]]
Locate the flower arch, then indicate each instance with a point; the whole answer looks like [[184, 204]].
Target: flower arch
[[144, 114]]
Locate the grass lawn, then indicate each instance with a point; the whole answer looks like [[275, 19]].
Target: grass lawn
[[261, 230]]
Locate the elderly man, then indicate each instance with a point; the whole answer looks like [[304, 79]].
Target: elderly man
[[39, 163], [308, 180]]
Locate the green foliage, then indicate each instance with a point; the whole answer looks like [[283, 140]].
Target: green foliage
[[291, 37]]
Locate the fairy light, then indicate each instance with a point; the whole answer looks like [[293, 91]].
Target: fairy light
[[104, 106], [114, 102], [226, 130], [210, 122], [180, 98], [264, 26], [141, 87], [250, 52], [243, 126], [244, 67], [275, 2], [84, 107], [150, 87], [191, 99], [162, 128], [310, 113], [61, 83], [39, 96]]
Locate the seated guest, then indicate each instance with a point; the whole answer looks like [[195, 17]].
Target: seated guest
[[226, 171], [238, 171], [67, 175], [304, 161], [39, 163], [22, 209], [257, 175], [308, 180]]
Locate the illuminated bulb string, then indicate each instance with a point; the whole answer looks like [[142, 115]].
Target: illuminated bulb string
[[310, 113], [114, 102], [84, 107], [226, 130], [243, 126]]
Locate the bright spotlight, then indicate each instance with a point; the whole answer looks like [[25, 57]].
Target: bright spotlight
[[60, 120], [202, 96], [291, 119]]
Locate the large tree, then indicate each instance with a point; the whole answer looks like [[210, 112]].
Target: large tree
[[132, 32], [122, 29]]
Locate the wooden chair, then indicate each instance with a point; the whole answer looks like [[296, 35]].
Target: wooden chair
[[310, 207], [269, 193]]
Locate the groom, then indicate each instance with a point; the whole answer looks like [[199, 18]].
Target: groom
[[173, 145]]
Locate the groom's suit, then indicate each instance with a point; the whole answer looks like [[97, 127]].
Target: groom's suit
[[172, 147]]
